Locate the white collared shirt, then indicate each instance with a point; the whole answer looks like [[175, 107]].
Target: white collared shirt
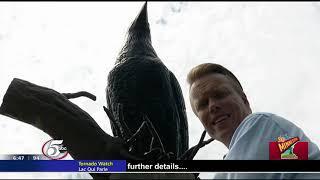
[[251, 140]]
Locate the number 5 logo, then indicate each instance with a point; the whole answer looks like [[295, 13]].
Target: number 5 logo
[[54, 149]]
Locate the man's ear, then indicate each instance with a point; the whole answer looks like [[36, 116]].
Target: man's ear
[[191, 104], [245, 99]]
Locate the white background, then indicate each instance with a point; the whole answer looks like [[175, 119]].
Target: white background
[[273, 48]]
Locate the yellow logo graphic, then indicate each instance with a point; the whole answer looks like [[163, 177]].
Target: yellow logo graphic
[[286, 147]]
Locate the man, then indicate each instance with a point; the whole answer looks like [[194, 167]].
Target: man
[[218, 100]]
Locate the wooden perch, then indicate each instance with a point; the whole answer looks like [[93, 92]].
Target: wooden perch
[[54, 114]]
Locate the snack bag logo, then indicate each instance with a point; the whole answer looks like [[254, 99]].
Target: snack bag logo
[[288, 148]]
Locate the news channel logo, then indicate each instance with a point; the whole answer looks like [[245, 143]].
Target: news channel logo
[[54, 149], [288, 148]]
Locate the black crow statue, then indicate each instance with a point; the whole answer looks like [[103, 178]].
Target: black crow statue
[[141, 88]]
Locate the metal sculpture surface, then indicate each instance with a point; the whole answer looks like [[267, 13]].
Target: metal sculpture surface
[[141, 87]]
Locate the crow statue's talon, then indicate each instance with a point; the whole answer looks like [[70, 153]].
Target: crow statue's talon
[[126, 131], [113, 121], [134, 142], [153, 132], [196, 149], [109, 114], [152, 154], [167, 156], [207, 142], [190, 153]]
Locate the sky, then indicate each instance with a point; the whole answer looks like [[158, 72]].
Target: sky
[[272, 47]]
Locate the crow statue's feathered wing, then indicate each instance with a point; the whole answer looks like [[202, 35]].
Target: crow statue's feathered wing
[[140, 86]]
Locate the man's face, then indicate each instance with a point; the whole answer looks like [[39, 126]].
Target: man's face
[[219, 106]]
